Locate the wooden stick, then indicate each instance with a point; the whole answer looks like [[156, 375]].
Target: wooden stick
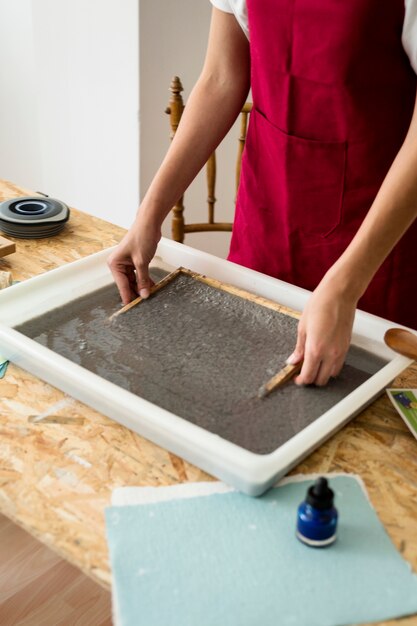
[[285, 374], [241, 293], [216, 284], [56, 419], [153, 289]]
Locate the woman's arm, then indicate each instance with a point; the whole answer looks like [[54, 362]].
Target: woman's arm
[[325, 327], [212, 108]]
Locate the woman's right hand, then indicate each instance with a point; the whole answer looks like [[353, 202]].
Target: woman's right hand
[[129, 261], [212, 108]]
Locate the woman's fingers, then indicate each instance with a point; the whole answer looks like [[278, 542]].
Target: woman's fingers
[[298, 353], [143, 280], [309, 371], [324, 333], [320, 365], [124, 277], [129, 262]]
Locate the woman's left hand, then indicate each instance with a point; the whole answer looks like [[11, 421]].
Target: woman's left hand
[[324, 334]]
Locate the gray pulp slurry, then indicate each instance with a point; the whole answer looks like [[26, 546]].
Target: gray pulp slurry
[[200, 353]]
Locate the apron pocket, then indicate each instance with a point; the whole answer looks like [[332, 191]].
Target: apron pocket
[[301, 178]]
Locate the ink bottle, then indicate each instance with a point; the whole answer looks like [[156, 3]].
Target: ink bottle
[[316, 516]]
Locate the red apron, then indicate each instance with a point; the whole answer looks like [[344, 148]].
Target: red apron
[[333, 94]]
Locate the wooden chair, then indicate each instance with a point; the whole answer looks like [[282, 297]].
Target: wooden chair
[[179, 227]]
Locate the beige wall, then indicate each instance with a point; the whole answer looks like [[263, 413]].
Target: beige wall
[[84, 88], [173, 38], [70, 99], [19, 130]]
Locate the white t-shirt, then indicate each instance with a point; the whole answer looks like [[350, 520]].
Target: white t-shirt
[[409, 35]]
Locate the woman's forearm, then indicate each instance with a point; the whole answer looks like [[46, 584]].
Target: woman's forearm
[[212, 108], [210, 112]]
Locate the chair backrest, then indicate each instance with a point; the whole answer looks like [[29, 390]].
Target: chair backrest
[[179, 227]]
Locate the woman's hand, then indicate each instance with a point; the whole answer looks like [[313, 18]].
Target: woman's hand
[[129, 262], [324, 334], [212, 108]]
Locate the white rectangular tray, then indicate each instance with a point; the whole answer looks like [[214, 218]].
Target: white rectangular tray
[[247, 471]]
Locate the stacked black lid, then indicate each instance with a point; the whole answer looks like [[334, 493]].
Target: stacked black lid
[[33, 217]]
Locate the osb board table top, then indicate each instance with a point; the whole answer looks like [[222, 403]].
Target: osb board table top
[[57, 474]]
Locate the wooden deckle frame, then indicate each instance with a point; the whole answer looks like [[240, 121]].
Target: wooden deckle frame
[[216, 284]]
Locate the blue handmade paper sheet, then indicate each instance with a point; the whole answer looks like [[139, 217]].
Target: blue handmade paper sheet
[[229, 559]]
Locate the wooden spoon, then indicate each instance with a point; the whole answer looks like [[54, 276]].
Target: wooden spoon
[[402, 341]]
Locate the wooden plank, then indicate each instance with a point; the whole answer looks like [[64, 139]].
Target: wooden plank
[[6, 247], [37, 587]]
